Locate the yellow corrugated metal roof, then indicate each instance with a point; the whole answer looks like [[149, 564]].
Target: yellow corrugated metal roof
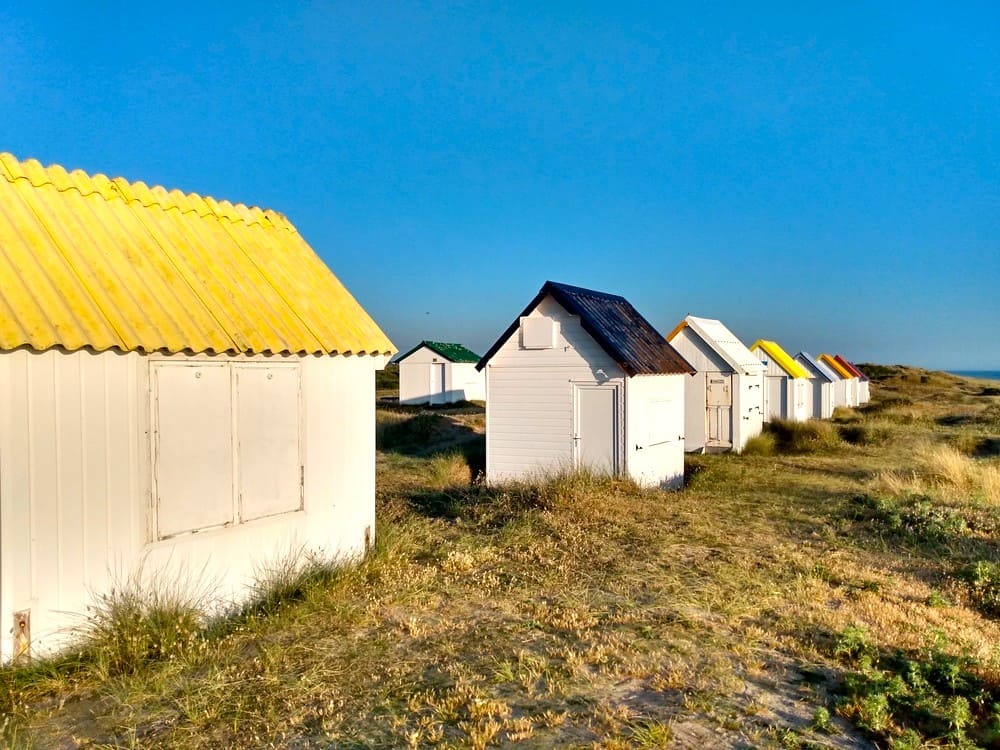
[[781, 357], [87, 261], [836, 366]]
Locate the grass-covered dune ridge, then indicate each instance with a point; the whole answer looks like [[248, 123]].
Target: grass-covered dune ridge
[[838, 587]]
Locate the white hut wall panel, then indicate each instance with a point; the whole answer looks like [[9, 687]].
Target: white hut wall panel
[[78, 500], [748, 409], [422, 378], [785, 397], [707, 363], [820, 398], [864, 392], [427, 377], [654, 442], [809, 396], [466, 382], [531, 403]]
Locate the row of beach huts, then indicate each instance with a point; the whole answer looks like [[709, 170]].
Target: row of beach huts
[[187, 395], [581, 379]]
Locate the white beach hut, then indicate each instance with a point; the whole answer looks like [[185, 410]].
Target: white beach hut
[[185, 390], [849, 389], [581, 380], [786, 383], [823, 381], [434, 372], [724, 401]]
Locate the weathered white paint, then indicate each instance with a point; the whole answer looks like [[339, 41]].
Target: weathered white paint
[[707, 426], [654, 420], [78, 443], [785, 397], [425, 377], [532, 407], [820, 393], [864, 392]]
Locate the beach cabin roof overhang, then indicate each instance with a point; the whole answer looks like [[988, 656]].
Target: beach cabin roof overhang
[[99, 263], [617, 327], [837, 367], [781, 358], [452, 352], [821, 369], [850, 367], [723, 341]]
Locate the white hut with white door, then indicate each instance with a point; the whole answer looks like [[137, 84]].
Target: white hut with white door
[[581, 380], [724, 400], [823, 381], [786, 383], [434, 372], [847, 394], [186, 390]]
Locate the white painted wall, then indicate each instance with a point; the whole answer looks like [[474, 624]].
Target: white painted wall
[[747, 409], [461, 379], [77, 510], [654, 420], [864, 392], [529, 400]]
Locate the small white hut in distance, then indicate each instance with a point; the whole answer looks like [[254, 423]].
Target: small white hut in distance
[[581, 380], [723, 401], [786, 383], [823, 382], [434, 372], [186, 390]]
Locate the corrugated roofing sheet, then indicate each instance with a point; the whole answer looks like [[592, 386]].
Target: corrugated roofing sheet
[[724, 342], [616, 326], [451, 352], [87, 261], [821, 368], [838, 368], [781, 358]]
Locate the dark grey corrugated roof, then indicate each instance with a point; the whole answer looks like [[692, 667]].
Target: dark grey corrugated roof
[[619, 329]]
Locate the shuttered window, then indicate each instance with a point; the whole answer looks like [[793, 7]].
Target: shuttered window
[[267, 440], [226, 444]]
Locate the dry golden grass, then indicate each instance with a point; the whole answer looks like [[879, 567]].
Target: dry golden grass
[[582, 611]]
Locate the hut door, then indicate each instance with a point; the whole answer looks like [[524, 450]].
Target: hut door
[[596, 428], [719, 405], [437, 384]]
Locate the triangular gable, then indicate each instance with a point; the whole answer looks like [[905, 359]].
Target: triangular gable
[[617, 327], [781, 358], [723, 341], [850, 367], [91, 262], [820, 368], [834, 365], [452, 352]]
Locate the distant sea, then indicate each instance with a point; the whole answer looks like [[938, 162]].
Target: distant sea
[[987, 374]]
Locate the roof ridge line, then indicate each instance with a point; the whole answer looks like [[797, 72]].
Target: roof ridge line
[[235, 216]]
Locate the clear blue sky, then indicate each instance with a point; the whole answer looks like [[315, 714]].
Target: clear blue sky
[[826, 175]]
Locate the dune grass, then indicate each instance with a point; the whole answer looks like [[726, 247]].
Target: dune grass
[[823, 592]]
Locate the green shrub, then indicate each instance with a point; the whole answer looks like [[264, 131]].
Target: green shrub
[[863, 434], [917, 519], [142, 620], [909, 699], [982, 582], [803, 437], [413, 434], [761, 445]]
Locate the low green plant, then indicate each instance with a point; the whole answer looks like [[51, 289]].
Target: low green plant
[[803, 437], [913, 698], [982, 582], [761, 445], [145, 618], [914, 519]]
